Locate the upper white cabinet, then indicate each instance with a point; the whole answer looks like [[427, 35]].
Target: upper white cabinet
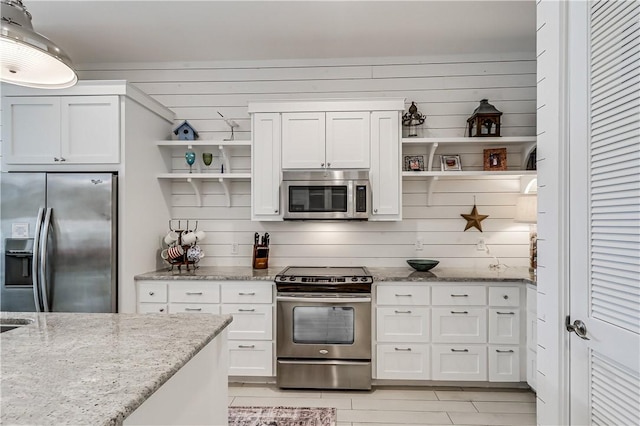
[[265, 167], [61, 130], [327, 134]]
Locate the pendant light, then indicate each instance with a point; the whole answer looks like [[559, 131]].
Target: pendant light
[[28, 58]]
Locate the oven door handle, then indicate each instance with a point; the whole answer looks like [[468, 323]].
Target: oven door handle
[[323, 299]]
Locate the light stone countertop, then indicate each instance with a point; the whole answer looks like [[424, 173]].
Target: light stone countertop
[[244, 273], [93, 369]]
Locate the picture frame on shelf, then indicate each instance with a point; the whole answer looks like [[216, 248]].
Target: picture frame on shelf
[[414, 163], [495, 159], [450, 163]]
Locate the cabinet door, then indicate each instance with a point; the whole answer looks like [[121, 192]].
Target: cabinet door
[[459, 362], [402, 324], [504, 364], [150, 292], [384, 175], [250, 358], [250, 322], [459, 325], [152, 308], [303, 140], [403, 362], [31, 130], [265, 159], [90, 129], [348, 140], [504, 326]]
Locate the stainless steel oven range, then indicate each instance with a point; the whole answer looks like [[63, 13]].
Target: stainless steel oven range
[[324, 327]]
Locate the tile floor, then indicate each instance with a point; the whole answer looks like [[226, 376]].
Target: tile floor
[[395, 406]]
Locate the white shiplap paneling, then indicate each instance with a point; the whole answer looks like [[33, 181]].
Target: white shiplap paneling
[[447, 90]]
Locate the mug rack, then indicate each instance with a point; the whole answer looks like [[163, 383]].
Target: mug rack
[[182, 260]]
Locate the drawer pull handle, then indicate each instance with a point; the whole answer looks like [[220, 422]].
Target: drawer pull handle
[[459, 295], [459, 312], [403, 349], [459, 350], [151, 293], [402, 312], [404, 295], [192, 309], [246, 310], [505, 313], [194, 293], [510, 351], [247, 294], [246, 346]]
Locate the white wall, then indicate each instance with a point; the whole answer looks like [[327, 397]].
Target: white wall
[[446, 89]]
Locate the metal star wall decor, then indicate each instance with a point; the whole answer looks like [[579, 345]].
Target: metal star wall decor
[[474, 219]]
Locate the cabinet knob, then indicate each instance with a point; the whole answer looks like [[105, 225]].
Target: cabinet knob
[[321, 164], [275, 211], [151, 293], [161, 309], [375, 210], [328, 164], [56, 159], [505, 297], [63, 159]]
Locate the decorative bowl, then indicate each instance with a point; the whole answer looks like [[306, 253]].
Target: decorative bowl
[[422, 264]]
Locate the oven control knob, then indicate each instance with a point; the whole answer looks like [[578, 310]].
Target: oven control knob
[[283, 278], [354, 279], [363, 279], [324, 351], [292, 278]]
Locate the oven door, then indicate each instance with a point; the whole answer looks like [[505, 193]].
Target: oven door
[[329, 327]]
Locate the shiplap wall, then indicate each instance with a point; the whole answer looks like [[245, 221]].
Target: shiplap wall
[[446, 89]]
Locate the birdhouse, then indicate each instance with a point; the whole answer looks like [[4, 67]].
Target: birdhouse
[[185, 132], [485, 120]]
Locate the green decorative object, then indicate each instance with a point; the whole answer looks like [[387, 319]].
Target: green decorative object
[[422, 264]]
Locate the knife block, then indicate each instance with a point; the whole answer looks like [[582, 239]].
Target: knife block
[[260, 256]]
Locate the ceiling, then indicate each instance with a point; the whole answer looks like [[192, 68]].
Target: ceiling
[[124, 31]]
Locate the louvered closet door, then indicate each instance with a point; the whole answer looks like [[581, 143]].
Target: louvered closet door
[[605, 212]]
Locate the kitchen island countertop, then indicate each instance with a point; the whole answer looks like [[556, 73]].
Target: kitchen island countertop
[[76, 368], [244, 273]]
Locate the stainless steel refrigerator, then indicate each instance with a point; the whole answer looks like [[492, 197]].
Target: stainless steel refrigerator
[[59, 245]]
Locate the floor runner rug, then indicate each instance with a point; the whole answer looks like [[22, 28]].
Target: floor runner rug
[[281, 416]]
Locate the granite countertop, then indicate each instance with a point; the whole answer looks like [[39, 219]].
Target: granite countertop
[[75, 368], [243, 273]]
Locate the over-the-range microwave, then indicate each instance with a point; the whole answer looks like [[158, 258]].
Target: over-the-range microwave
[[326, 195]]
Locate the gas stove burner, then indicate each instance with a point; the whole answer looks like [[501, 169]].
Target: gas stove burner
[[343, 279]]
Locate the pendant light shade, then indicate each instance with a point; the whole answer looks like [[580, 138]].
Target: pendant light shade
[[28, 58]]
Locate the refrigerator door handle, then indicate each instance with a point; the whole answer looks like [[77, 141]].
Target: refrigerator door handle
[[35, 260], [44, 239]]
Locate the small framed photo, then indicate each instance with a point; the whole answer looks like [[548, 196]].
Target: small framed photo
[[414, 163], [450, 162], [495, 159]]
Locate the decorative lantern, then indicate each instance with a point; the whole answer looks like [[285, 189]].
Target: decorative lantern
[[412, 119], [485, 120]]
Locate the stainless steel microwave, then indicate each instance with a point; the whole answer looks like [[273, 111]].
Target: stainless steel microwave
[[326, 194]]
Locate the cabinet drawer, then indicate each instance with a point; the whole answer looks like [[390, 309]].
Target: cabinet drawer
[[250, 322], [402, 324], [504, 326], [152, 308], [152, 292], [459, 295], [250, 358], [504, 296], [459, 362], [194, 292], [504, 363], [247, 292], [459, 325], [402, 295], [403, 362], [194, 308]]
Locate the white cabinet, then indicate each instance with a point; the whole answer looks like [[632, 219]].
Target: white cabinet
[[402, 331], [61, 130], [251, 304], [265, 167], [532, 336], [384, 174], [251, 332], [449, 331], [459, 362], [318, 140]]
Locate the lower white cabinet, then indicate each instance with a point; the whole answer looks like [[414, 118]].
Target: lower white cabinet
[[450, 332], [532, 336], [459, 362], [403, 361], [249, 302]]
